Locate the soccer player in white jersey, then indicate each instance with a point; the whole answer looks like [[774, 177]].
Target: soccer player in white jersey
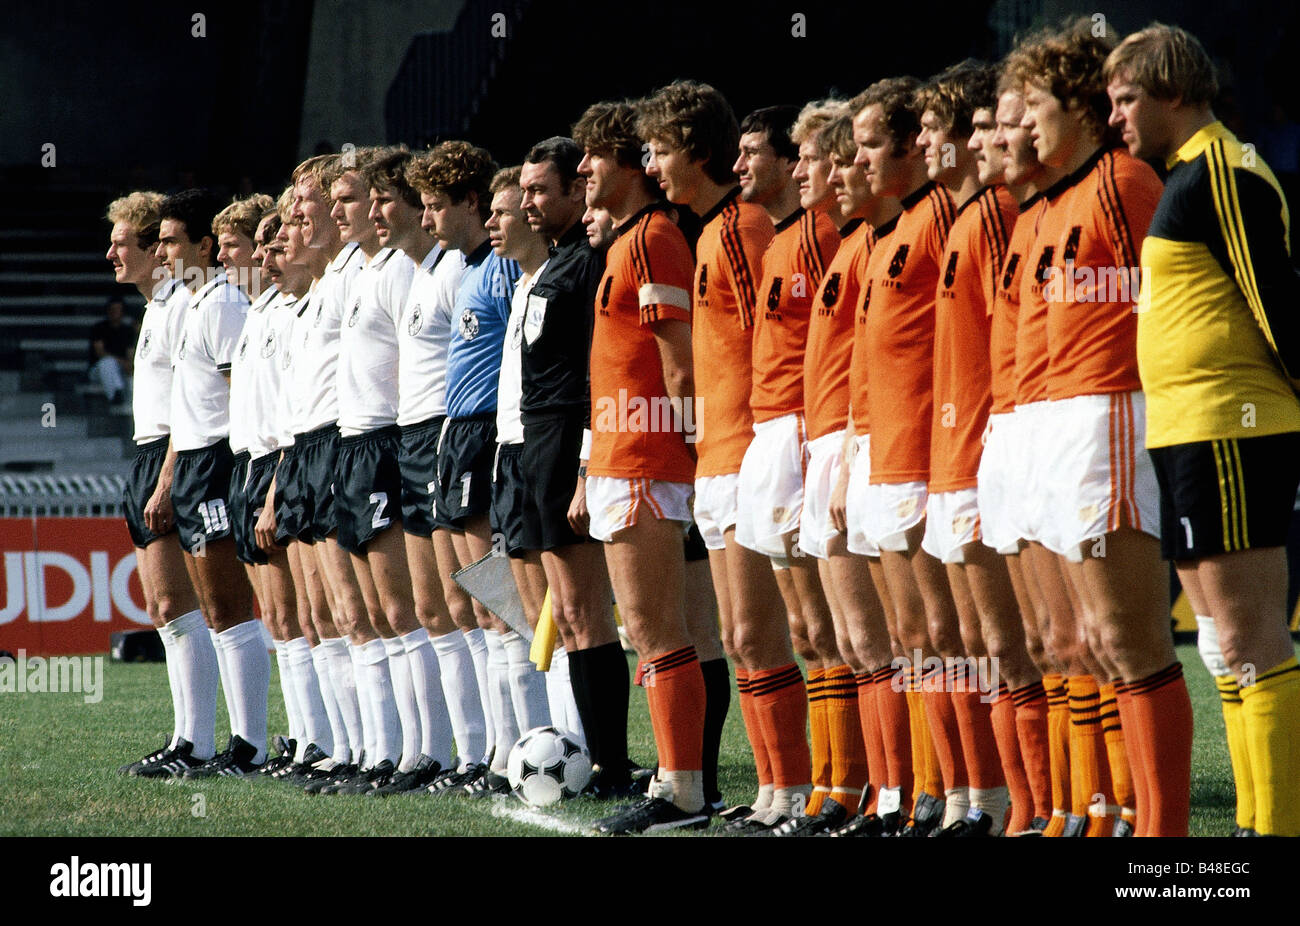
[[200, 410], [169, 598], [304, 506]]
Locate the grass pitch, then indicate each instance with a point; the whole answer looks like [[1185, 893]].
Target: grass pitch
[[59, 758]]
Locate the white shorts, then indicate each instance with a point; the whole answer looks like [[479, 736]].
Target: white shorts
[[856, 507], [770, 493], [1098, 474], [815, 527], [715, 507], [892, 510], [952, 520], [1027, 505], [614, 503], [997, 490]]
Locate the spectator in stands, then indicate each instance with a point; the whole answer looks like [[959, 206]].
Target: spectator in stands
[[112, 345]]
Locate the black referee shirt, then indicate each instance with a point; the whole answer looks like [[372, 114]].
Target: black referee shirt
[[558, 321]]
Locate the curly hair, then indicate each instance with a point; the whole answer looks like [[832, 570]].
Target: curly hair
[[386, 172], [242, 215], [695, 118], [896, 97], [610, 130], [139, 210], [955, 93], [813, 119], [454, 169], [1069, 63]]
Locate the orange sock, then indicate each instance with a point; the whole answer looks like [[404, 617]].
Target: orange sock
[[944, 732], [979, 746], [819, 734], [1086, 747], [1162, 713], [895, 730], [848, 751], [869, 721], [1031, 730], [782, 705], [748, 713], [1137, 762], [926, 774], [1013, 766], [674, 687], [1112, 732], [1058, 738]]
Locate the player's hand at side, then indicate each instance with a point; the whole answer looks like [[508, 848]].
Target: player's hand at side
[[158, 514], [264, 531], [838, 506], [579, 516]]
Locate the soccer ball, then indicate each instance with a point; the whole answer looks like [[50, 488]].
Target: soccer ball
[[546, 766]]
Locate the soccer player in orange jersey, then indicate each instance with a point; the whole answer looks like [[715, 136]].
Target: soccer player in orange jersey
[[639, 477], [692, 132], [771, 474], [1102, 495], [958, 116]]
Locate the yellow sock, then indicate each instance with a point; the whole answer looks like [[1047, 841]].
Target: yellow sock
[[1271, 714], [819, 727], [1234, 721]]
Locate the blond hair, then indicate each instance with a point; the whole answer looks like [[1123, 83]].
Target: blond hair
[[140, 211], [813, 118], [243, 215], [1167, 62]]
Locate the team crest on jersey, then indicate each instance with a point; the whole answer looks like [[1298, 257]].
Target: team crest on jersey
[[468, 325], [1013, 261], [146, 342], [774, 294], [950, 272], [534, 317], [703, 283], [243, 347], [320, 314], [1072, 244], [899, 261], [416, 322], [831, 291], [866, 301], [354, 314], [516, 334], [604, 293], [1044, 263], [286, 359], [180, 351], [268, 344]]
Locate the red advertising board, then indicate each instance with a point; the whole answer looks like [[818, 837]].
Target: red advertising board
[[67, 584]]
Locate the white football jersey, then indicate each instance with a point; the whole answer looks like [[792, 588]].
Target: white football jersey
[[242, 370], [200, 402], [160, 329], [315, 366], [424, 334], [367, 380], [269, 427], [510, 385]]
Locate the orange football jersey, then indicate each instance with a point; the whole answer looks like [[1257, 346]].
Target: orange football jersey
[[829, 356], [1006, 309]]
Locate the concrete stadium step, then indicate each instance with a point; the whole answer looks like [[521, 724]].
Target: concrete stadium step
[[72, 449], [66, 425]]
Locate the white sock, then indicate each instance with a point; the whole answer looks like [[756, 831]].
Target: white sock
[[249, 680], [426, 679], [288, 691], [388, 723], [338, 733], [527, 685], [476, 639], [198, 673], [994, 802], [408, 711], [505, 728], [369, 725], [174, 682], [344, 682], [559, 696], [231, 707], [311, 704], [461, 692], [956, 805]]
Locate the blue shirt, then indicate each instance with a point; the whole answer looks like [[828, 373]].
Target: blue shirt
[[479, 332]]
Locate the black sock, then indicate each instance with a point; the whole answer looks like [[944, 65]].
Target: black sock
[[717, 699], [608, 688], [578, 681]]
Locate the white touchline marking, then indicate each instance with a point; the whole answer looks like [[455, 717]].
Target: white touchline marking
[[521, 814]]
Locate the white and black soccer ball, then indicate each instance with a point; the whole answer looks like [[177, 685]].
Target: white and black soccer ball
[[547, 766]]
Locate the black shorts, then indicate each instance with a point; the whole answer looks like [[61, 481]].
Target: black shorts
[[419, 465], [695, 548], [1226, 495], [508, 489], [140, 486], [200, 492], [465, 456], [552, 443], [260, 472], [367, 486], [304, 487]]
